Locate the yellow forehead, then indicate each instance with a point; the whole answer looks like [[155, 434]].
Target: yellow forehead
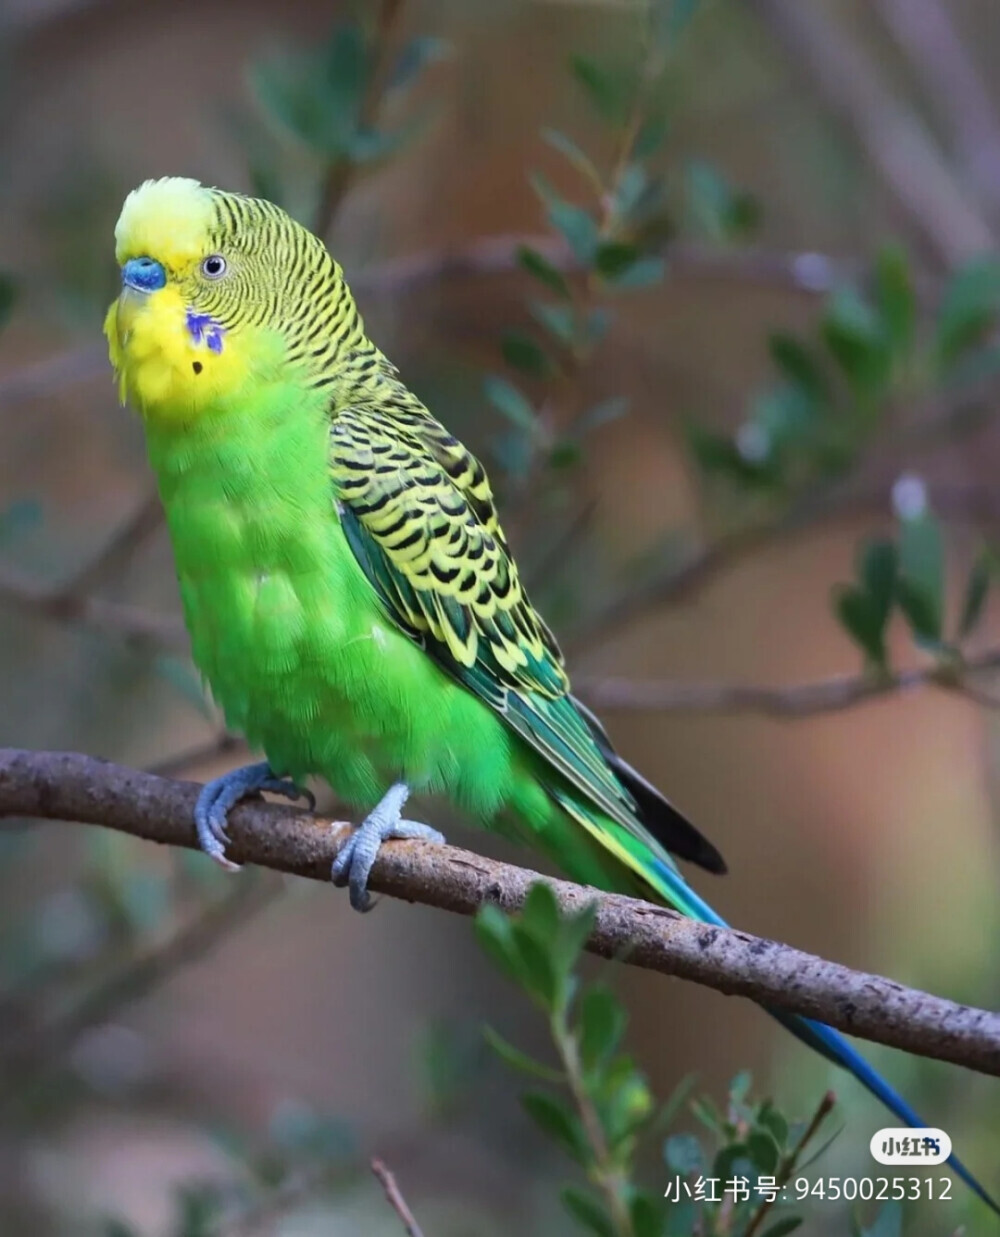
[[169, 220]]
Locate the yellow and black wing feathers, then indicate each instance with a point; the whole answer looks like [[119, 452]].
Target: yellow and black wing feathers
[[417, 510]]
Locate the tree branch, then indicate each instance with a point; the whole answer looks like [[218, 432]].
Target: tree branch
[[926, 31], [797, 700], [395, 1199], [68, 786], [849, 81]]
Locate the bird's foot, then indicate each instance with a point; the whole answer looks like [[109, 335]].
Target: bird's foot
[[354, 860], [221, 794]]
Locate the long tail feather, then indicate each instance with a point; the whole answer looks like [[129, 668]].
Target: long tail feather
[[816, 1035]]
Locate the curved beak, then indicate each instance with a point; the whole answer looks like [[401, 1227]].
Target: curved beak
[[140, 278]]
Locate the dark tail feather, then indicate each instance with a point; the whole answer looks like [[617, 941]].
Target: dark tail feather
[[658, 814]]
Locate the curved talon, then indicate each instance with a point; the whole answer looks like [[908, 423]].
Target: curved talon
[[355, 859], [223, 793]]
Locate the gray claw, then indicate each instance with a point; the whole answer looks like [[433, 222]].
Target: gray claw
[[223, 793], [354, 860]]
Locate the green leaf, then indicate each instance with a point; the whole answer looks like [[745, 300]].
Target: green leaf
[[602, 1021], [865, 611], [495, 933], [542, 269], [416, 55], [646, 1215], [613, 258], [969, 308], [624, 1100], [920, 586], [118, 1228], [20, 516], [799, 365], [770, 1119], [675, 15], [862, 618], [607, 91], [560, 320], [604, 413], [888, 1223], [721, 211], [683, 1154], [515, 406], [521, 352], [677, 1099], [574, 932], [597, 322], [317, 95], [554, 1117], [733, 1160], [896, 298], [855, 338], [8, 295], [763, 1151], [652, 134], [740, 1086], [786, 1225], [716, 453], [683, 1218], [537, 968], [642, 273], [574, 156], [577, 227], [565, 454], [540, 914], [976, 589], [368, 145], [878, 564], [347, 66], [519, 1060], [587, 1211]]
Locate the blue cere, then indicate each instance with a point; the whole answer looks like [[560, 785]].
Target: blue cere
[[143, 274]]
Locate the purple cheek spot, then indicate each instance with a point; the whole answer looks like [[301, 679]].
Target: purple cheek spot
[[203, 329]]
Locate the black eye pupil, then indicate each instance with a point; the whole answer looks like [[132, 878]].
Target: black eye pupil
[[214, 266]]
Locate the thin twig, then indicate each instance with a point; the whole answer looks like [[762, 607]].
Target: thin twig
[[797, 700], [395, 1198], [805, 273], [73, 602], [604, 1173], [925, 30], [120, 549], [787, 1166], [851, 84], [36, 1049], [115, 618], [53, 373], [73, 787]]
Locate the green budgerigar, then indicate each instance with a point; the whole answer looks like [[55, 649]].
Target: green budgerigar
[[350, 595]]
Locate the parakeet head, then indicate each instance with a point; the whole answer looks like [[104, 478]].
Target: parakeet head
[[218, 289]]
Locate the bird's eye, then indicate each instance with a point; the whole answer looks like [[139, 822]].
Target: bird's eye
[[214, 266]]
